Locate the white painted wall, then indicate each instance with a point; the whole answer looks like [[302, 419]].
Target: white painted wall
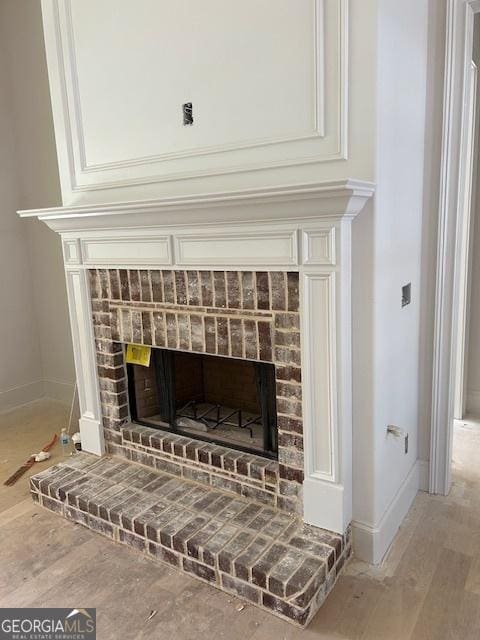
[[389, 247], [20, 364], [31, 157]]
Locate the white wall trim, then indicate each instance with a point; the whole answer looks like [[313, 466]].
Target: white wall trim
[[371, 542], [460, 17], [16, 397]]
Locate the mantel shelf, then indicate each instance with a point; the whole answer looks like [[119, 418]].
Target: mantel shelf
[[322, 199]]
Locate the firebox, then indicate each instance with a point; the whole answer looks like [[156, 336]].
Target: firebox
[[226, 401]]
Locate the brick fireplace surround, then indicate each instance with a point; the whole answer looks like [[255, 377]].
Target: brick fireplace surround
[[249, 315], [262, 276]]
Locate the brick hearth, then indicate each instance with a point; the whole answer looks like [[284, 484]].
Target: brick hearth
[[263, 555]]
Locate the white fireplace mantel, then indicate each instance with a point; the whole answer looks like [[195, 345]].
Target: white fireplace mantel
[[304, 228]]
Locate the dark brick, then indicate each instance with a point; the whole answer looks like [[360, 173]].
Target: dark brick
[[179, 541], [248, 290], [124, 285], [290, 321], [164, 555], [287, 339], [233, 290], [263, 290], [290, 473], [183, 332], [94, 284], [206, 284], [104, 283], [222, 336], [172, 341], [262, 568], [168, 287], [251, 339], [193, 288], [200, 570], [134, 285], [278, 290], [300, 616], [114, 284], [181, 287], [159, 329], [249, 557], [219, 299], [157, 292], [265, 340], [145, 286], [210, 335], [293, 291], [197, 333], [240, 588], [147, 327], [131, 540], [236, 337]]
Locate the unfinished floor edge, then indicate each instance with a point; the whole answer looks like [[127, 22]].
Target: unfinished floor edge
[[262, 555]]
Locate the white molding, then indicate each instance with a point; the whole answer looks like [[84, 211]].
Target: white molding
[[72, 254], [371, 542], [270, 248], [332, 199], [318, 247], [460, 16], [319, 375], [20, 395], [327, 388], [328, 134], [79, 305], [128, 251]]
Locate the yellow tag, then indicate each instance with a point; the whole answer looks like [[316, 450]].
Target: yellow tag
[[138, 354]]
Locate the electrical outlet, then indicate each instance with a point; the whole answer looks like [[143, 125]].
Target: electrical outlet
[[187, 110], [406, 443], [406, 294]]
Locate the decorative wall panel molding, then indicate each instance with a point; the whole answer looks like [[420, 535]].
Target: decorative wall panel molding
[[268, 248], [256, 103], [135, 250]]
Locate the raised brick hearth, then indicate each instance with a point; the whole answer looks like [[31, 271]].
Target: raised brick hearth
[[263, 555]]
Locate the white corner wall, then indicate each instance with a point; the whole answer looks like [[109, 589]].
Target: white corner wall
[[36, 286], [389, 255]]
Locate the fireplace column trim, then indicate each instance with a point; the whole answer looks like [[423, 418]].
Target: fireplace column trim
[[80, 309]]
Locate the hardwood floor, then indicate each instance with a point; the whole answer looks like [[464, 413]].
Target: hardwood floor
[[428, 588]]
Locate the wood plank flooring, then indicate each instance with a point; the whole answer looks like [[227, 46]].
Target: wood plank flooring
[[428, 588]]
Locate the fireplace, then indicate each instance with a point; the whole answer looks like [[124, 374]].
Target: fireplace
[[253, 289], [227, 401]]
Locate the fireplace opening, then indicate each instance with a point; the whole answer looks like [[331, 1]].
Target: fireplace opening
[[222, 400]]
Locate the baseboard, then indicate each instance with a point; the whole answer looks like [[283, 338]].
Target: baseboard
[[423, 475], [59, 391], [18, 396], [473, 403], [371, 542]]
